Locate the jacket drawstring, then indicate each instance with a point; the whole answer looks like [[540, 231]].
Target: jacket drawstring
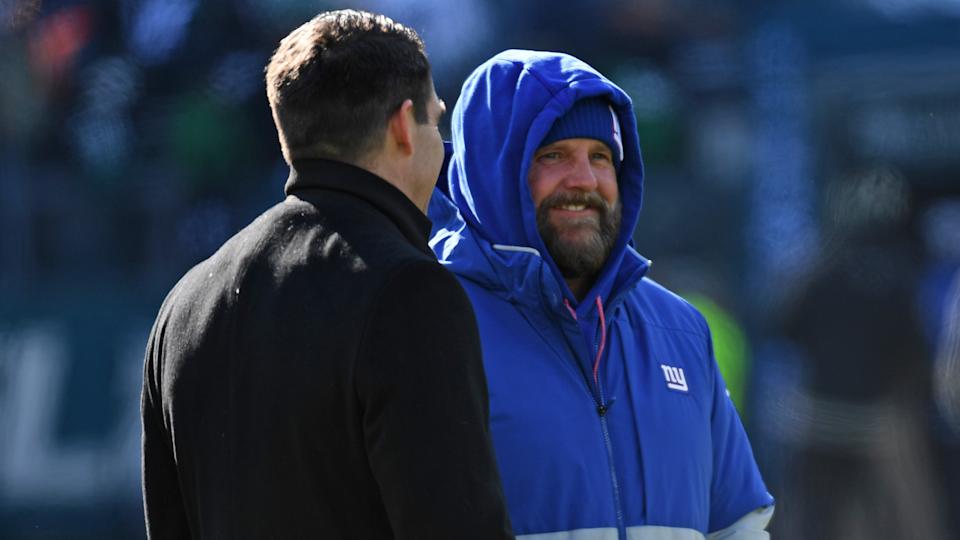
[[603, 336], [603, 341]]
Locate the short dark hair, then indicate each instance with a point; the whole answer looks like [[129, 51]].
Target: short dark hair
[[334, 82]]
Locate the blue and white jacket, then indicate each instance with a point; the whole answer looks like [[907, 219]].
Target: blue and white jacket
[[609, 416]]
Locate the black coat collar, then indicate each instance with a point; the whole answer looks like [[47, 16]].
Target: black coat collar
[[308, 175]]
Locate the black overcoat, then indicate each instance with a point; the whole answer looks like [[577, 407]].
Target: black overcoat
[[320, 377]]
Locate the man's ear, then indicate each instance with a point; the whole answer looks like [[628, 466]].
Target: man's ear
[[401, 127]]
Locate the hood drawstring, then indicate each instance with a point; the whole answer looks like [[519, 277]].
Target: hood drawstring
[[603, 341], [603, 335]]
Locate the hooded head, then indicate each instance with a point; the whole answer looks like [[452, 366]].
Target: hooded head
[[511, 106]]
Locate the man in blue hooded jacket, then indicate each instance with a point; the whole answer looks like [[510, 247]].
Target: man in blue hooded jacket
[[609, 415]]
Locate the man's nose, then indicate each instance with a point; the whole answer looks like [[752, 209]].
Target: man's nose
[[581, 175]]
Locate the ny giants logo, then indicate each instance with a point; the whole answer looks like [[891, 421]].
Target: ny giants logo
[[675, 378]]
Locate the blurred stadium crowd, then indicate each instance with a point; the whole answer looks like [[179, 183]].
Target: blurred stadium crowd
[[803, 190]]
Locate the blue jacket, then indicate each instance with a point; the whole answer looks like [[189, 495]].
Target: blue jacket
[[610, 417]]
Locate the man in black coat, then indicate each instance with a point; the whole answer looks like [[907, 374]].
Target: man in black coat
[[320, 375]]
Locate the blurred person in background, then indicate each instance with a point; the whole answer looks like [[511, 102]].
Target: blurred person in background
[[294, 385], [863, 453], [946, 377], [609, 415]]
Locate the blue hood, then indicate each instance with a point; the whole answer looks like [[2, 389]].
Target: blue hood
[[506, 107]]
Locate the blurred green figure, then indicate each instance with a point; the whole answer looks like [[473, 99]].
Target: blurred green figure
[[730, 347]]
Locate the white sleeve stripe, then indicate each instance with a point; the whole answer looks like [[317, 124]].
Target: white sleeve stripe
[[749, 527], [642, 532]]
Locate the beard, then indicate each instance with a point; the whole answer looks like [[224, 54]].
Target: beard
[[580, 247]]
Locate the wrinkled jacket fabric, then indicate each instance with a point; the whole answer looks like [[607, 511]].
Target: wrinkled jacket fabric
[[609, 416]]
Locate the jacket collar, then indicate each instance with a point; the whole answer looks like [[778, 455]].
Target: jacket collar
[[519, 274], [309, 176]]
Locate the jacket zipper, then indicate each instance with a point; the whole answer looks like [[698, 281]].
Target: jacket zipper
[[604, 427], [602, 408]]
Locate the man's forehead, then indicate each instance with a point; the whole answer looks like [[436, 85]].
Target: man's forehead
[[577, 141]]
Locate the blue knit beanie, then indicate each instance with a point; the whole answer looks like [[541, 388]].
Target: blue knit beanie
[[591, 118]]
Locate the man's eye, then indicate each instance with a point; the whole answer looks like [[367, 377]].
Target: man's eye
[[601, 156], [550, 155]]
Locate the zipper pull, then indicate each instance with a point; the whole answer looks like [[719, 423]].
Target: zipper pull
[[602, 409]]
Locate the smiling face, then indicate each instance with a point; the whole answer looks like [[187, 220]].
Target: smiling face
[[573, 183]]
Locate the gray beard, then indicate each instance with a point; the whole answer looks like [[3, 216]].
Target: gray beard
[[585, 258]]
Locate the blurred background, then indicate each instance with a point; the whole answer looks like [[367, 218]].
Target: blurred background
[[803, 190]]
